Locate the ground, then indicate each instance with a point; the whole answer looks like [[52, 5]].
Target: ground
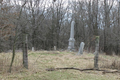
[[39, 61]]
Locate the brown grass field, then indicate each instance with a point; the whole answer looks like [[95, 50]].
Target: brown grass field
[[39, 61]]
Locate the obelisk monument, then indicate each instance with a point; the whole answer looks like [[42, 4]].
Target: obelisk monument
[[71, 39]]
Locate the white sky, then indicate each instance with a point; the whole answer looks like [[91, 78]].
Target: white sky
[[49, 2]]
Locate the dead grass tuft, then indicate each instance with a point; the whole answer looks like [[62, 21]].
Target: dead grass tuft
[[89, 65], [5, 60], [115, 64], [111, 64]]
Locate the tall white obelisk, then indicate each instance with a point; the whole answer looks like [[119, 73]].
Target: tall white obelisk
[[71, 39]]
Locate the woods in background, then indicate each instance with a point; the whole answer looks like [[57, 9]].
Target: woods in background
[[47, 24]]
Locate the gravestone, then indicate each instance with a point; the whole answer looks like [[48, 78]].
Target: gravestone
[[55, 48], [81, 48], [71, 39], [33, 49]]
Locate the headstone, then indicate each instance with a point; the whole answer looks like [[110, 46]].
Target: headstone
[[33, 49], [71, 39], [55, 48], [81, 48]]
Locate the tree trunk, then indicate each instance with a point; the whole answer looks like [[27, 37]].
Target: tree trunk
[[25, 55], [118, 44], [13, 56], [96, 53]]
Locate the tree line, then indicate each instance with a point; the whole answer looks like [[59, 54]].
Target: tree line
[[47, 24]]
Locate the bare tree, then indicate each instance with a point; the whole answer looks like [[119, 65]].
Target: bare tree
[[107, 9], [16, 36]]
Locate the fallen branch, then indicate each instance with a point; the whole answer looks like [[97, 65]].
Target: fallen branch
[[111, 72], [53, 69], [104, 71]]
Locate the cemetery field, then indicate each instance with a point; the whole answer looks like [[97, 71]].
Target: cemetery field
[[39, 61]]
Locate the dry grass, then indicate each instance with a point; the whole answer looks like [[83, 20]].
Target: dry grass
[[5, 59], [113, 63], [39, 61]]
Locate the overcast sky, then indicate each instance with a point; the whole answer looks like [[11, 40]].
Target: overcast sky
[[49, 2]]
